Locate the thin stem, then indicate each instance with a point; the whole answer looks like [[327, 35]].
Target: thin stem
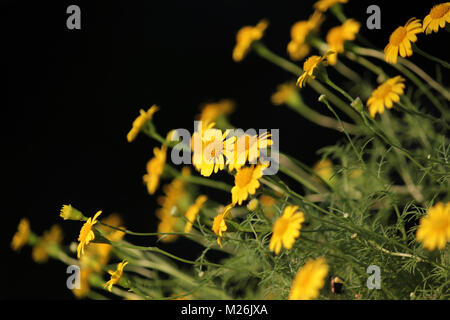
[[443, 63]]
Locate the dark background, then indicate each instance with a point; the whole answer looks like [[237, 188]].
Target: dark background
[[72, 95]]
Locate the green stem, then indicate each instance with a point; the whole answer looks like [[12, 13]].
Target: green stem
[[443, 63]]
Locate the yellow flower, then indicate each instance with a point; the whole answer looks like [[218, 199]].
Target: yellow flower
[[309, 280], [286, 229], [211, 111], [20, 238], [310, 66], [253, 204], [219, 225], [244, 38], [401, 39], [284, 93], [86, 234], [246, 182], [439, 15], [324, 169], [115, 275], [385, 95], [155, 167], [434, 228], [324, 5], [49, 238], [140, 121], [192, 212], [298, 48], [70, 213], [84, 283], [210, 147], [248, 147], [338, 35]]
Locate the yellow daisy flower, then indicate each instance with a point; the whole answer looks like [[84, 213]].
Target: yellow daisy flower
[[439, 15], [51, 237], [192, 212], [401, 39], [211, 111], [385, 95], [252, 205], [219, 225], [244, 38], [140, 121], [246, 182], [20, 238], [298, 48], [115, 275], [434, 228], [70, 213], [285, 91], [324, 5], [248, 147], [155, 168], [338, 35], [310, 66], [86, 234], [324, 169], [309, 280], [286, 229]]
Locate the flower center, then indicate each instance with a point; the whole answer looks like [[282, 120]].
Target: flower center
[[439, 11], [398, 36], [281, 226], [383, 90], [311, 63], [243, 177]]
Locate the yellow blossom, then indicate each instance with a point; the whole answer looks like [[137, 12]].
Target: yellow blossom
[[434, 228], [49, 238], [20, 238], [246, 181], [324, 5], [439, 15], [253, 204], [284, 93], [248, 147], [324, 169], [310, 66], [244, 38], [155, 168], [309, 280], [211, 111], [70, 213], [86, 234], [337, 36], [115, 275], [84, 288], [140, 121], [286, 229], [401, 39], [192, 212], [385, 95], [219, 225], [298, 47]]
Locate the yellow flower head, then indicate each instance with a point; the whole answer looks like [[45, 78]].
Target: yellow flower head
[[286, 229], [385, 95], [140, 121], [324, 169], [115, 275], [211, 111], [192, 212], [155, 168], [284, 93], [434, 228], [310, 66], [309, 280], [324, 5], [51, 237], [439, 15], [84, 289], [248, 147], [253, 204], [86, 234], [401, 39], [338, 35], [298, 48], [244, 38], [246, 182], [20, 238], [70, 213], [219, 225]]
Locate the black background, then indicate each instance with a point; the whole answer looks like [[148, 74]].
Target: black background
[[72, 95]]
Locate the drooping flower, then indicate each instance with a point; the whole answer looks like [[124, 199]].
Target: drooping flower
[[284, 93], [115, 275], [52, 237], [434, 228], [70, 213], [155, 168], [247, 148], [219, 224], [439, 15], [86, 234], [20, 238], [401, 39], [298, 47], [337, 36], [244, 38], [324, 5], [140, 121], [385, 95], [211, 111], [192, 212], [286, 229], [246, 181], [309, 280], [310, 66]]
